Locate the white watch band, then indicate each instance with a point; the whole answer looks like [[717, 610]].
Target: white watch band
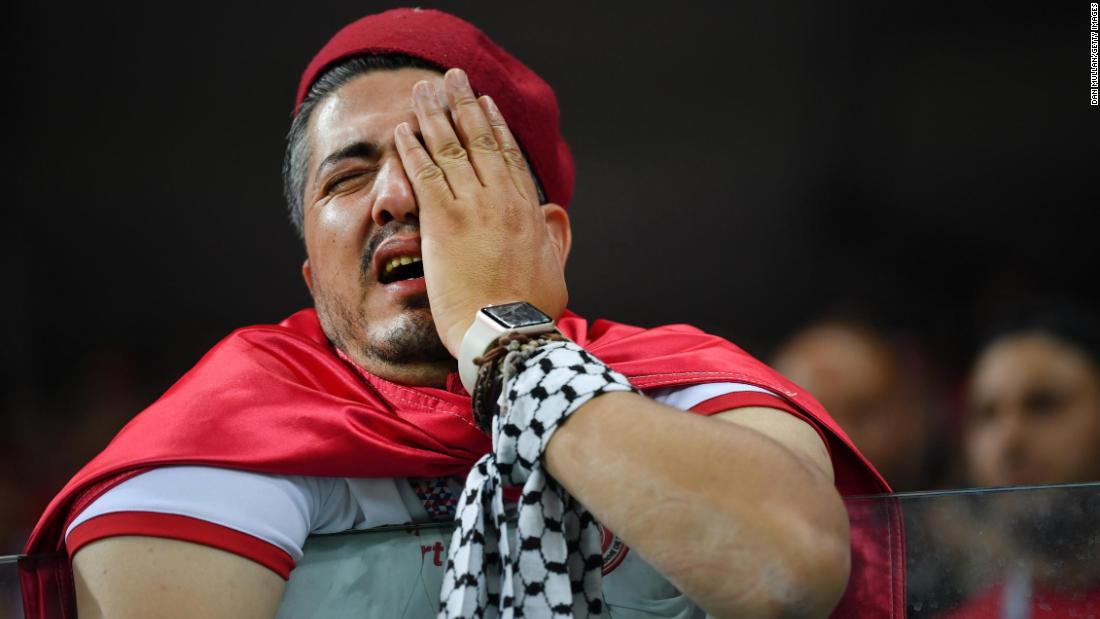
[[477, 340]]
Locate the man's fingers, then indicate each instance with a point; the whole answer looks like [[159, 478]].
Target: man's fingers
[[509, 150], [441, 141], [428, 180], [474, 130]]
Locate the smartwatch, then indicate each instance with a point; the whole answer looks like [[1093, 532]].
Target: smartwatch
[[489, 325]]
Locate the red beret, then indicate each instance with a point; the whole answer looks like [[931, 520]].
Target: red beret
[[527, 102]]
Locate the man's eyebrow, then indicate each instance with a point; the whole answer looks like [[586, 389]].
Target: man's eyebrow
[[355, 150]]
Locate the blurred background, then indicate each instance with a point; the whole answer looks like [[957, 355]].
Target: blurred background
[[912, 174]]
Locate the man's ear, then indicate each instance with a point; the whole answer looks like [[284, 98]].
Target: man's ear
[[307, 275], [557, 225]]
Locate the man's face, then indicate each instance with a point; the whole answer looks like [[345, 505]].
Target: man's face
[[857, 379], [360, 219], [1034, 414]]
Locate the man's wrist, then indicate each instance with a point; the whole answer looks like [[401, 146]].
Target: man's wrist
[[489, 325], [453, 341]]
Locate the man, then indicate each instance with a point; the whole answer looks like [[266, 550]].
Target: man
[[1034, 418], [420, 214]]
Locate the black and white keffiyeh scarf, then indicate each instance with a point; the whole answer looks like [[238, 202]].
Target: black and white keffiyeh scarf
[[556, 568]]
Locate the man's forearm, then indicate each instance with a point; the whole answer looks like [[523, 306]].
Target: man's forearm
[[738, 522]]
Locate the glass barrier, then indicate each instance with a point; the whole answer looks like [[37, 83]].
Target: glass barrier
[[11, 602], [1009, 553]]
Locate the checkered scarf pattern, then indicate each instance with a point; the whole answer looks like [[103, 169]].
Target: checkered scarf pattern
[[557, 568]]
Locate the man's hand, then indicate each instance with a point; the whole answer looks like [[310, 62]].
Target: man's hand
[[485, 239]]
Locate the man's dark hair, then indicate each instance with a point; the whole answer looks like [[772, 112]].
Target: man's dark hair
[[1074, 325], [296, 160]]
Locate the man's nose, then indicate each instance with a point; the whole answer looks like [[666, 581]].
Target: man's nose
[[1013, 438], [394, 199]]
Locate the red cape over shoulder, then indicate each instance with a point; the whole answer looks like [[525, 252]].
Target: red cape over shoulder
[[277, 399]]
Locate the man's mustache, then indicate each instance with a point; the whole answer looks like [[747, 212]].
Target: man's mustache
[[378, 237]]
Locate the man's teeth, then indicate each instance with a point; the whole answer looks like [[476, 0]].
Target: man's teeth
[[400, 260]]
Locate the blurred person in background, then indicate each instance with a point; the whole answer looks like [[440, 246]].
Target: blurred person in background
[[1034, 405], [1033, 417], [873, 391]]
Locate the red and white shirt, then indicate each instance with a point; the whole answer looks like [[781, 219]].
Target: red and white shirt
[[266, 518]]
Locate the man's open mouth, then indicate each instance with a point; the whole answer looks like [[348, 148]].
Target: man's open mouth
[[401, 267]]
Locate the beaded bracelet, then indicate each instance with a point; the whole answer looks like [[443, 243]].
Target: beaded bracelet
[[491, 370]]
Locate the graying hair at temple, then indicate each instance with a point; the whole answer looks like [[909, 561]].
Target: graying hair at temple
[[297, 155]]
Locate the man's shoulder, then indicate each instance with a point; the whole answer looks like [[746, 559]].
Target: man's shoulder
[[606, 329], [294, 349], [670, 355], [303, 326]]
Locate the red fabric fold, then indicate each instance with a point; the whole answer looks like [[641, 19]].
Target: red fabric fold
[[46, 584], [277, 399]]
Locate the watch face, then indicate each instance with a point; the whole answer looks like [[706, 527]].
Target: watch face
[[516, 315]]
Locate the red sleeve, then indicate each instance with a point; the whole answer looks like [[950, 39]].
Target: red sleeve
[[743, 399], [183, 528]]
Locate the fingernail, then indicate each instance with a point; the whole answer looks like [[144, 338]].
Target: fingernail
[[403, 130], [491, 107], [425, 94], [459, 79]]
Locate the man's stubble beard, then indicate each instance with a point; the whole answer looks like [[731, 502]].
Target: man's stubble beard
[[407, 348], [410, 338]]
